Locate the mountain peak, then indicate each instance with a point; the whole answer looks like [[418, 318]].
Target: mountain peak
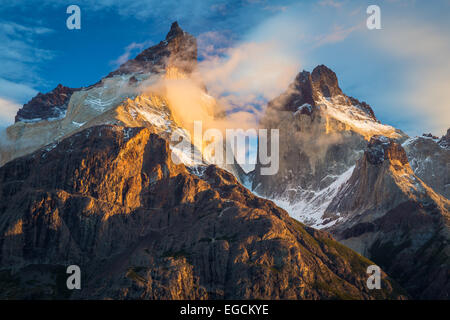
[[175, 30], [445, 140], [325, 81], [178, 50], [51, 105]]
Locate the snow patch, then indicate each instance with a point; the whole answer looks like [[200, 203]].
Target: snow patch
[[311, 207]]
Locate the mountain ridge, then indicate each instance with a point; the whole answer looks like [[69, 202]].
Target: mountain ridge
[[152, 230]]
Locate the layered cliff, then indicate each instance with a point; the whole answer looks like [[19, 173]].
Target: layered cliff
[[110, 200], [430, 160], [323, 133], [388, 214], [134, 95]]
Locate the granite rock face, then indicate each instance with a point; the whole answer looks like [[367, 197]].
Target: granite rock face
[[110, 200], [430, 160], [388, 214], [52, 105], [178, 50], [116, 99], [322, 134]]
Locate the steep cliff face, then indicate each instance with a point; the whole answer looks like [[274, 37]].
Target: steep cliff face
[[178, 50], [52, 105], [323, 133], [388, 214], [430, 160], [110, 200], [135, 95]]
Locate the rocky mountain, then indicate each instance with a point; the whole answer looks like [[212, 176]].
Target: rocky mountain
[[323, 133], [110, 200], [178, 50], [134, 95], [87, 177], [388, 214], [49, 106], [343, 171]]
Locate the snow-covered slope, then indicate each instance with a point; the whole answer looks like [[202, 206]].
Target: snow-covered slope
[[388, 214]]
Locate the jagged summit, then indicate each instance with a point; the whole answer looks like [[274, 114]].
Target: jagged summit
[[445, 140], [309, 89], [175, 31], [51, 105], [388, 214], [381, 148], [325, 81], [178, 50]]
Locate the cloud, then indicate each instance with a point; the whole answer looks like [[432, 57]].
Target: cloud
[[248, 73], [426, 82], [19, 54], [8, 110], [131, 49], [337, 34]]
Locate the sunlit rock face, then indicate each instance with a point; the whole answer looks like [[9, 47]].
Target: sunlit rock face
[[110, 200], [388, 214], [343, 171], [323, 133]]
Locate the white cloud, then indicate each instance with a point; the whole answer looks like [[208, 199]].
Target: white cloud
[[16, 91], [132, 48], [8, 110]]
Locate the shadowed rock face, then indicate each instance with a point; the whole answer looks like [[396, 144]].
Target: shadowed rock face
[[382, 149], [445, 140], [110, 200], [322, 133], [46, 106], [430, 160], [392, 217], [308, 88]]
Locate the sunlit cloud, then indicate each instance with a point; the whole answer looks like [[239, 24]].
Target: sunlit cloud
[[8, 110]]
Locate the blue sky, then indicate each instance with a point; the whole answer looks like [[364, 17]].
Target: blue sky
[[402, 70]]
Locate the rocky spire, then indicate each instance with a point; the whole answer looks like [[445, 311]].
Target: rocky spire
[[175, 30], [381, 148], [179, 49], [325, 81], [46, 106], [445, 140], [308, 88]]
